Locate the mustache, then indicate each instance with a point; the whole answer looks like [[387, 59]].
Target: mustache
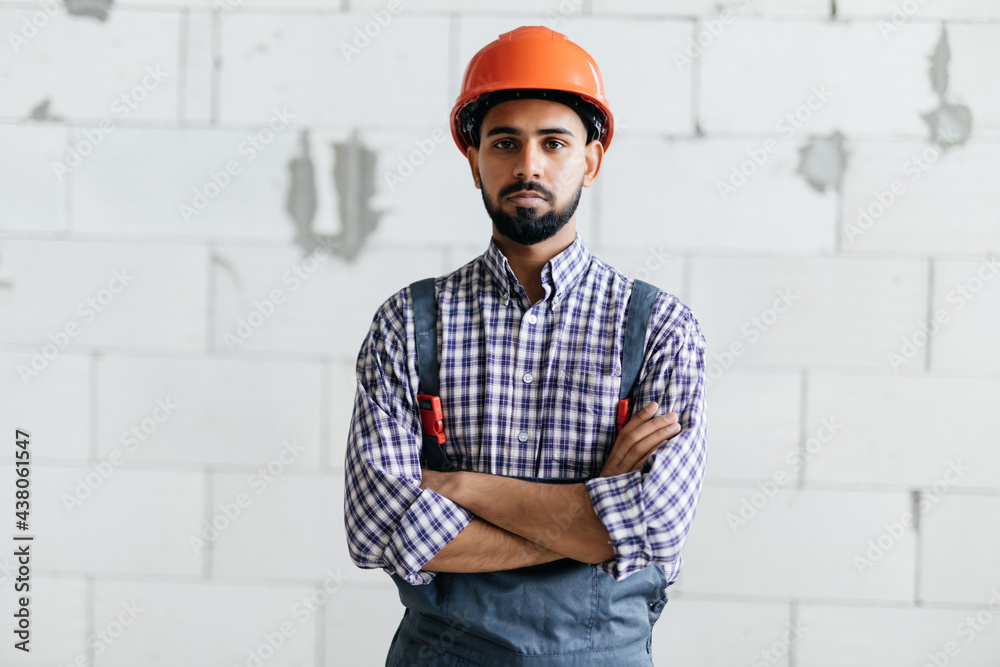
[[517, 187]]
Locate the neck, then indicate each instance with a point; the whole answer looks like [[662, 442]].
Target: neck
[[527, 261]]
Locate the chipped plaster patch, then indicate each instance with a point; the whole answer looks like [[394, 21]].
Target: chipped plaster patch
[[97, 9], [822, 162]]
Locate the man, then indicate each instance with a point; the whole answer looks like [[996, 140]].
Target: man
[[555, 540]]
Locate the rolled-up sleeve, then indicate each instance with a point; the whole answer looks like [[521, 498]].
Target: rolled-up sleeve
[[392, 523], [648, 512]]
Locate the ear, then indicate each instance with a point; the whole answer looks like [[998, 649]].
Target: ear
[[472, 154], [593, 155]]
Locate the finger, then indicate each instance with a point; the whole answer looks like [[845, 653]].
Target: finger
[[639, 454], [641, 424], [639, 449], [648, 413], [648, 423], [637, 429]]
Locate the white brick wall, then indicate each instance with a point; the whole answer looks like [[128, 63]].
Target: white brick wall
[[730, 632], [60, 613], [913, 198], [755, 425], [184, 623], [212, 411], [136, 183], [762, 65], [708, 9], [970, 299], [882, 420], [108, 294], [66, 384], [299, 63], [960, 565], [32, 199], [835, 414], [98, 532], [314, 313], [802, 312], [923, 10], [976, 58], [679, 197], [84, 67], [894, 637], [794, 544]]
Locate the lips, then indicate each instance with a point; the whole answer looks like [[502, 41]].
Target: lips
[[527, 198]]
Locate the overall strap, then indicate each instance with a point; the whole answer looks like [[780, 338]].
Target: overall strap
[[638, 311], [425, 317]]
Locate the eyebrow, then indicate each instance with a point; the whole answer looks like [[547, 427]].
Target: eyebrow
[[510, 129]]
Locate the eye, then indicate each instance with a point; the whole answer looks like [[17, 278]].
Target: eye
[[503, 141], [556, 143]]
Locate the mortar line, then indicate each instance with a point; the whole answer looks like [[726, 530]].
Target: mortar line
[[89, 602], [320, 631], [793, 645]]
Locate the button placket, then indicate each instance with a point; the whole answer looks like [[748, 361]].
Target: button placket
[[525, 385]]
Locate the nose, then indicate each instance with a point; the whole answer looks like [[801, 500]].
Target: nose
[[529, 163]]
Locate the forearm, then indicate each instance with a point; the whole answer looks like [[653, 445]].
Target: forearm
[[559, 517], [483, 547]]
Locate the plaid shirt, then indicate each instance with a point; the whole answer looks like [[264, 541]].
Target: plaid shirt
[[527, 390]]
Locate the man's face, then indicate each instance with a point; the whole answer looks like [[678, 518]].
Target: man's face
[[531, 165]]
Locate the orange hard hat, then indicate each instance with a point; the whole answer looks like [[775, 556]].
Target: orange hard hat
[[531, 62]]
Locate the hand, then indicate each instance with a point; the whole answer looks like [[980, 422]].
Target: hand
[[638, 439]]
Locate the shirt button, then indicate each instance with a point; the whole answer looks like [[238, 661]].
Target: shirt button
[[522, 436], [527, 377], [532, 318]]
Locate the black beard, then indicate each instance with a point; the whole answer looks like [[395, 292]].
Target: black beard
[[527, 227]]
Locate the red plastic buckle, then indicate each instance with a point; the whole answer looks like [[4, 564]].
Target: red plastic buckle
[[431, 416], [623, 415]]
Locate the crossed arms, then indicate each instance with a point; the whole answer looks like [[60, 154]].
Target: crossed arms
[[520, 522], [414, 523]]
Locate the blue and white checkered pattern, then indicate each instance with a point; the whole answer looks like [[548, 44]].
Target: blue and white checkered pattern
[[529, 391]]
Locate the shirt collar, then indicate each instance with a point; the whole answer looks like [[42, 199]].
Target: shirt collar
[[559, 274]]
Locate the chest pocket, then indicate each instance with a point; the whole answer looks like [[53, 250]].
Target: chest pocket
[[580, 423]]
